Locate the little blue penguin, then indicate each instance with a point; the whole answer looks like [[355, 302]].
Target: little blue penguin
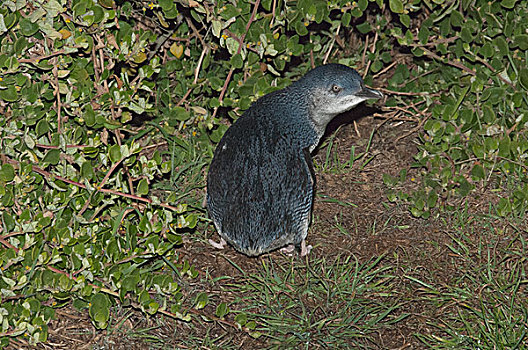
[[260, 184]]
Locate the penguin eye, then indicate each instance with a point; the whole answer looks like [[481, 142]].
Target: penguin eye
[[336, 89]]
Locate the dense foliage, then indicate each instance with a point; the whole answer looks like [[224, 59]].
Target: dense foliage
[[110, 110]]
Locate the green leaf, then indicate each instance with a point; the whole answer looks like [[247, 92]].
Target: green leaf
[[42, 127], [521, 41], [221, 310], [364, 27], [65, 282], [241, 319], [99, 310], [466, 35], [504, 207], [166, 5], [12, 64], [89, 115], [363, 4], [79, 8], [478, 172], [8, 221], [52, 157], [191, 220], [423, 35], [10, 94], [416, 212], [237, 61], [114, 153], [143, 187], [152, 307], [27, 28], [346, 18], [7, 173], [405, 20], [87, 170], [109, 4], [456, 19], [29, 141], [509, 4], [464, 186], [180, 113], [432, 198], [487, 50], [396, 6], [501, 45], [300, 28], [523, 78], [98, 14], [504, 147], [217, 134], [201, 301], [488, 114]]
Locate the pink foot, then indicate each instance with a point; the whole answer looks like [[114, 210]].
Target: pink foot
[[220, 245], [305, 249], [288, 250]]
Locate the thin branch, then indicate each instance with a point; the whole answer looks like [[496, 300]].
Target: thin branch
[[43, 57], [451, 63], [199, 65], [55, 72], [39, 145], [47, 174], [331, 44], [241, 43]]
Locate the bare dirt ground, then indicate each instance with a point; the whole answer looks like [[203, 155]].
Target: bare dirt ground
[[369, 227]]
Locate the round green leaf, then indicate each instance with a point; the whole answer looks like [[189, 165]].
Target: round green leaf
[[52, 157], [8, 220], [237, 61], [509, 4], [143, 187], [10, 94], [99, 310], [201, 300], [396, 6], [27, 28], [180, 113], [221, 310], [300, 28], [87, 170], [347, 17], [7, 173], [405, 20], [478, 172], [109, 4], [521, 41], [114, 153], [364, 27]]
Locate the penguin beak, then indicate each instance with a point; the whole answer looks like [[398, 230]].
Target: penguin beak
[[368, 93]]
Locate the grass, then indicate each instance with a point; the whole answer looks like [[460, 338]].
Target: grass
[[485, 303], [319, 302], [335, 164]]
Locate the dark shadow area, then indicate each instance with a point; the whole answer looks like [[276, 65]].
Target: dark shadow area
[[361, 111], [354, 114]]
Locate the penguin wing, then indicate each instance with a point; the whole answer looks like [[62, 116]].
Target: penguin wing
[[260, 188]]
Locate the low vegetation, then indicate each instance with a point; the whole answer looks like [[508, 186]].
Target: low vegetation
[[109, 115]]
